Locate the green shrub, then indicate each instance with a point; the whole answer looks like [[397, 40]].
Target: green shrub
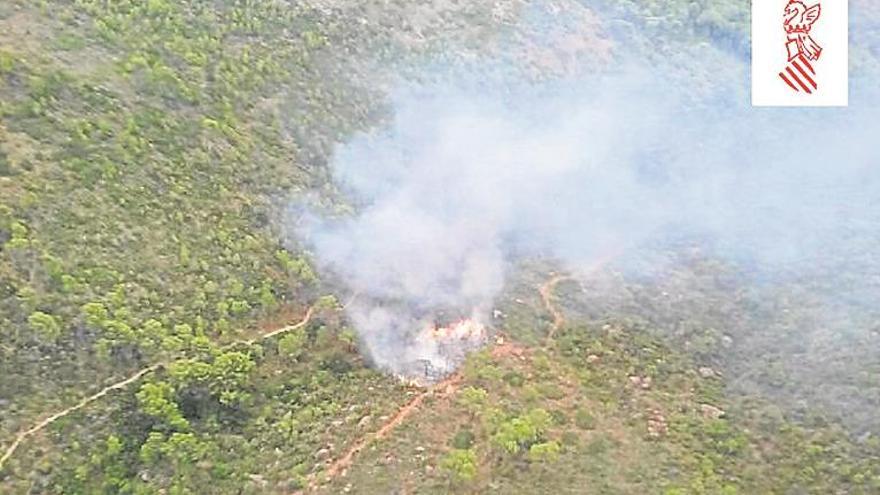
[[514, 379], [460, 463], [520, 432], [463, 439], [157, 400], [45, 326], [542, 452], [292, 344], [584, 420], [473, 399]]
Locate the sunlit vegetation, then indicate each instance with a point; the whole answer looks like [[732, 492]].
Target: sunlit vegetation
[[147, 151], [135, 214]]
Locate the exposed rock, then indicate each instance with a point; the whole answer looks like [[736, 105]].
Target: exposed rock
[[710, 411], [657, 426], [592, 358], [706, 372], [322, 454], [258, 479], [364, 421], [642, 382]]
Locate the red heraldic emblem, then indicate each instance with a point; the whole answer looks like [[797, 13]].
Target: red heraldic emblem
[[799, 74]]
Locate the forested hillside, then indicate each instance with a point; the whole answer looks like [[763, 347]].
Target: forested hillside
[[161, 333]]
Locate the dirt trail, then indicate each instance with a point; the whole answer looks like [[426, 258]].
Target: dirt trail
[[42, 424], [447, 387], [444, 388], [546, 291], [88, 400], [305, 319]]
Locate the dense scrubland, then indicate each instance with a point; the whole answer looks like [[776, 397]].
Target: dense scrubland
[[147, 152]]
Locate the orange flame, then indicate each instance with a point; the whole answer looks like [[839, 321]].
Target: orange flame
[[466, 329]]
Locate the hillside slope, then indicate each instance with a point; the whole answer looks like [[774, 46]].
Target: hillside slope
[[159, 333]]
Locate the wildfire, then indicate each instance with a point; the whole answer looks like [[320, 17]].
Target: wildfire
[[463, 330], [438, 349]]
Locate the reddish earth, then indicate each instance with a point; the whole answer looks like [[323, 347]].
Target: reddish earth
[[445, 388], [546, 291]]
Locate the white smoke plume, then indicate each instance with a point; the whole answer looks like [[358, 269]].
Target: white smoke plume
[[468, 176]]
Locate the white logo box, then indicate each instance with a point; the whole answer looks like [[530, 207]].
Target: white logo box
[[800, 53]]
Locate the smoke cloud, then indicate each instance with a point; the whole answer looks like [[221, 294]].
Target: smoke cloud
[[468, 176]]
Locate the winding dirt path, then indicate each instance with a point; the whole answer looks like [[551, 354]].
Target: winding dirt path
[[445, 388], [42, 424], [305, 319], [448, 387], [21, 437], [546, 291]]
